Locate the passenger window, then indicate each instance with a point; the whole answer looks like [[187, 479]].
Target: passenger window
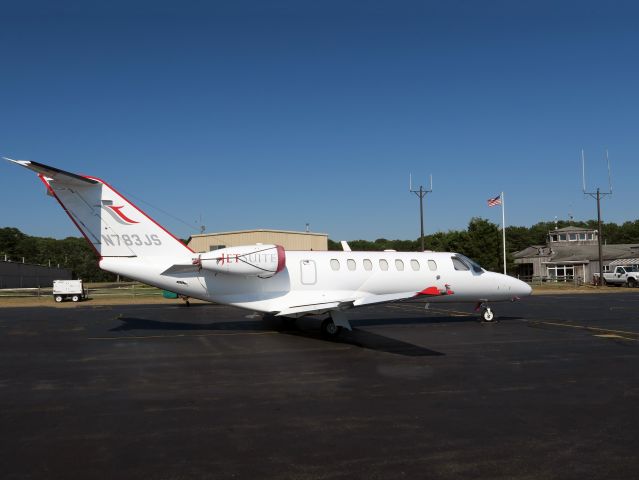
[[368, 265], [414, 264], [399, 265], [350, 263], [459, 265], [383, 264], [335, 264], [432, 265]]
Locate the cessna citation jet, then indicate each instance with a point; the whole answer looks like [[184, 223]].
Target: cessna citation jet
[[266, 278]]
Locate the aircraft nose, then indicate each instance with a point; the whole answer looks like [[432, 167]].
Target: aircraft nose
[[519, 288]]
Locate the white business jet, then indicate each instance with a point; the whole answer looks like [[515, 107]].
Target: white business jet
[[266, 278]]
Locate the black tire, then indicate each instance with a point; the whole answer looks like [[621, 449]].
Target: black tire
[[632, 283], [329, 329], [75, 298], [58, 298], [488, 316]]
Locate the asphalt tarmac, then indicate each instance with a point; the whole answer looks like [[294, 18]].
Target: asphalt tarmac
[[550, 391]]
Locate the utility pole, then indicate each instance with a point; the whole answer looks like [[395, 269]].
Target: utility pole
[[597, 195], [421, 193]]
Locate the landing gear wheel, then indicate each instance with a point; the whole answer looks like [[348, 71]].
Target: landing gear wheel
[[329, 329], [487, 315], [58, 298]]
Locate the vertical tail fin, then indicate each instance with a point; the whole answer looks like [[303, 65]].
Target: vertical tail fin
[[114, 226]]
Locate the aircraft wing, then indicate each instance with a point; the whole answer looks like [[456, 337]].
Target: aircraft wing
[[316, 303]]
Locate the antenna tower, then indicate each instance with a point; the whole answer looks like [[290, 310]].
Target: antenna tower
[[597, 195], [421, 193]]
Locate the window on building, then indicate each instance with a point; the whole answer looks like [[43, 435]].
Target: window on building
[[562, 237], [582, 236], [335, 264], [553, 238], [572, 237], [383, 264], [399, 265], [414, 265], [368, 265], [350, 263], [432, 265], [561, 273]]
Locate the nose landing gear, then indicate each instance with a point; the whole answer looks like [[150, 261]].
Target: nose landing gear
[[487, 314]]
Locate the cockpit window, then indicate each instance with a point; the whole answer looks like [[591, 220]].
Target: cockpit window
[[459, 265], [464, 263]]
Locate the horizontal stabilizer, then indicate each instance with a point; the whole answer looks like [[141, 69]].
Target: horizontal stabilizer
[[59, 176], [182, 268]]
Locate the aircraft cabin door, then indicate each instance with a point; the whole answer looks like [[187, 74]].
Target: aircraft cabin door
[[308, 272]]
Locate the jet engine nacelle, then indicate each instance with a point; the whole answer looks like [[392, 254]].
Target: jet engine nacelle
[[250, 260]]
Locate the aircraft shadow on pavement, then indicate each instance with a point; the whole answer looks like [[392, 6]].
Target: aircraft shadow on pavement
[[369, 340], [133, 323], [371, 322], [359, 338]]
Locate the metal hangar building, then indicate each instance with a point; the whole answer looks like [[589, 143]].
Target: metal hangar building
[[206, 242]]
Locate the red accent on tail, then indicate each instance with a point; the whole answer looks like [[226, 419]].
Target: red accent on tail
[[142, 212], [118, 210]]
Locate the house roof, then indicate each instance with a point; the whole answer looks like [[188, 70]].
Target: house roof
[[532, 251], [573, 229], [580, 253], [625, 261]]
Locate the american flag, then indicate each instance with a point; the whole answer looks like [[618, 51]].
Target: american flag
[[493, 202]]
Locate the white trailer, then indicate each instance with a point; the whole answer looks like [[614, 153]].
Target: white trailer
[[68, 289]]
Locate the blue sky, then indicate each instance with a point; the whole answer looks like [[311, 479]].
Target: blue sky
[[256, 114]]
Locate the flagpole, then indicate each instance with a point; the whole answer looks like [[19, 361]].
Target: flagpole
[[503, 227]]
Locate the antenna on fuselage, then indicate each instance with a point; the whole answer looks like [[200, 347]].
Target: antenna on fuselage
[[421, 193]]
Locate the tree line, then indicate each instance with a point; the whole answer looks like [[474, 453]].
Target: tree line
[[481, 241], [71, 252]]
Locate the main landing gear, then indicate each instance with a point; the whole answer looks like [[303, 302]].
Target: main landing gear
[[329, 329], [334, 324]]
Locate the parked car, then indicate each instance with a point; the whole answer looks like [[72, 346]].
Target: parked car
[[68, 289], [622, 275]]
